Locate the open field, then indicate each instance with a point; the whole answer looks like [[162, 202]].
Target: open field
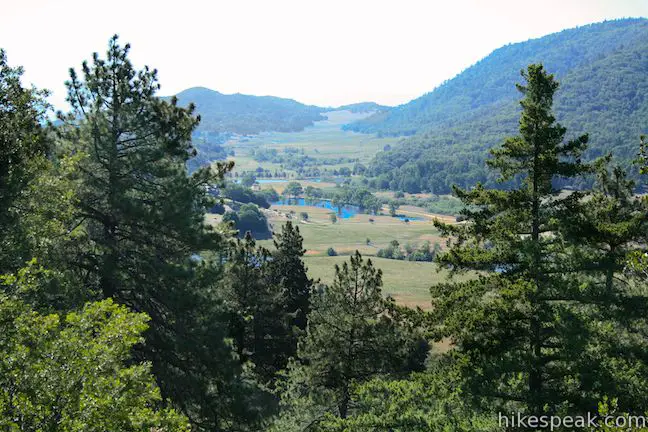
[[324, 140], [408, 282], [347, 235]]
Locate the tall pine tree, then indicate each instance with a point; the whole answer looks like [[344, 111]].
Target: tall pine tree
[[514, 328], [259, 323], [288, 271], [143, 219]]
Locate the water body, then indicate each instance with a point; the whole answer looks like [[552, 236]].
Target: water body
[[343, 212]]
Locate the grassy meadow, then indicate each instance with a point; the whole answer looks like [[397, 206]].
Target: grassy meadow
[[347, 235], [325, 139], [406, 281]]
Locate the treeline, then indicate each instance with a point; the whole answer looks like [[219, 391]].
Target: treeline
[[345, 195], [424, 252], [294, 159], [123, 310]]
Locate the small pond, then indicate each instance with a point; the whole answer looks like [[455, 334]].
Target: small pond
[[344, 212]]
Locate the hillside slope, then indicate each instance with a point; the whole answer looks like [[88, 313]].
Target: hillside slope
[[603, 71], [362, 107], [244, 114]]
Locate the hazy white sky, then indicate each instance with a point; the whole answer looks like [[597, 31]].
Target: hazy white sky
[[327, 52]]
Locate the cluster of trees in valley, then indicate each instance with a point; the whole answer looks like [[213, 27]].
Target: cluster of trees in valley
[[123, 310], [294, 159]]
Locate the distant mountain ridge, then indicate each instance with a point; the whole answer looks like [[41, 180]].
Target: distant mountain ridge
[[603, 72], [246, 114], [362, 107]]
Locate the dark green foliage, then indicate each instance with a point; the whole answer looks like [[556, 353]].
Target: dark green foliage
[[392, 251], [293, 189], [429, 401], [243, 114], [268, 295], [259, 322], [424, 252], [208, 150], [244, 195], [313, 192], [601, 67], [270, 195], [23, 148], [249, 219], [287, 270], [143, 219], [608, 226], [638, 260], [519, 344], [217, 208], [353, 335], [354, 195]]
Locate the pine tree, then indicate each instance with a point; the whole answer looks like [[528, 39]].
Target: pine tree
[[143, 219], [351, 338], [514, 328], [607, 226], [23, 149], [259, 323], [638, 260], [286, 269]]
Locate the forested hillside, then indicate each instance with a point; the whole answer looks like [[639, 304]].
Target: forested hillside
[[601, 68], [363, 107], [244, 114]]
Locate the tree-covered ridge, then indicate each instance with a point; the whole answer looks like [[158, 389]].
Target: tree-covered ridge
[[601, 68], [245, 114], [363, 107]]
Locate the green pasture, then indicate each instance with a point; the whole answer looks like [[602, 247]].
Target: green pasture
[[408, 282], [324, 140]]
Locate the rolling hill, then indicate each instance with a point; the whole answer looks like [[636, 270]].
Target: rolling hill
[[603, 71], [248, 115], [363, 107]]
